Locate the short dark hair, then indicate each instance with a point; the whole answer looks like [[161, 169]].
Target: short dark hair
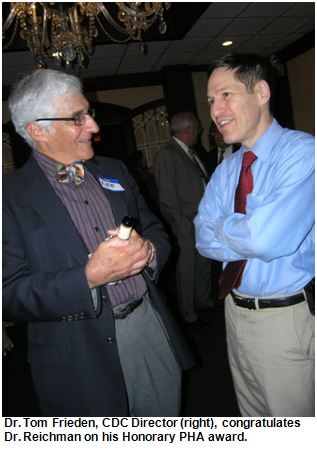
[[249, 70]]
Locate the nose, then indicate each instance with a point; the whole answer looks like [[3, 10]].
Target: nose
[[91, 124], [217, 108]]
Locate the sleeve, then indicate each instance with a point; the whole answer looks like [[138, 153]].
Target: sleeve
[[210, 209], [147, 225], [35, 291], [280, 211]]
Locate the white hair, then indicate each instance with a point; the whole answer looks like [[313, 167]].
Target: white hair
[[34, 97], [180, 121]]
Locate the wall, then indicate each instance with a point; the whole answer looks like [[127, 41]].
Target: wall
[[132, 98], [301, 74], [129, 98], [203, 109], [300, 71]]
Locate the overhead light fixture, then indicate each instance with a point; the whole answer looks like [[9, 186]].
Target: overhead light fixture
[[227, 43], [66, 31]]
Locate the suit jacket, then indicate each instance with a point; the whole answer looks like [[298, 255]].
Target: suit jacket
[[72, 347], [180, 185], [214, 157]]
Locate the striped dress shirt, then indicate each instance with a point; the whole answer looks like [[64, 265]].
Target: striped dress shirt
[[91, 212]]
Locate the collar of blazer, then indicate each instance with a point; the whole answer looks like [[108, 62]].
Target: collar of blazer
[[38, 191]]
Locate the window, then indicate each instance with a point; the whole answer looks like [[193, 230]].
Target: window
[[151, 130]]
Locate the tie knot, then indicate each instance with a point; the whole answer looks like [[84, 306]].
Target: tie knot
[[248, 159]]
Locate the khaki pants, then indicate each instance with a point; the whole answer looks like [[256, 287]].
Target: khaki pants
[[272, 359]]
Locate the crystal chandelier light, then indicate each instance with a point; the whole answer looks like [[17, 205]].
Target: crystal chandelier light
[[65, 31]]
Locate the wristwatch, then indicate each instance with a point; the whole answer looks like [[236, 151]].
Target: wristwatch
[[153, 251]]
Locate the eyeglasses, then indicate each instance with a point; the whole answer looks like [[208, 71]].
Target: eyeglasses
[[79, 120]]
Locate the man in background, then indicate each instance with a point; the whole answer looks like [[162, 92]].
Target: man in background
[[181, 180], [219, 149]]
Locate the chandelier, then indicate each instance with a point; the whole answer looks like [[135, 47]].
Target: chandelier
[[65, 31]]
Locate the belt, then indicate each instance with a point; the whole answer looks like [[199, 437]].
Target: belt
[[120, 314], [250, 303]]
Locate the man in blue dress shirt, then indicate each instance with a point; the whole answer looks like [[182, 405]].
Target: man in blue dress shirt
[[270, 326]]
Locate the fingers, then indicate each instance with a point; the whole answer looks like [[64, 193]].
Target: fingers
[[133, 237], [117, 259], [113, 232]]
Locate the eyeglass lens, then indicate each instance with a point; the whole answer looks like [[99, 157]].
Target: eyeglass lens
[[81, 118]]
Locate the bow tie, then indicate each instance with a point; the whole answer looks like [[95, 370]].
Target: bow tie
[[66, 173]]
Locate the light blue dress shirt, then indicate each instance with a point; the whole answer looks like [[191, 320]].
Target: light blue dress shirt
[[276, 235]]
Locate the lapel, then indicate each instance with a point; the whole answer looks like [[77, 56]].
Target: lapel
[[189, 162], [200, 161], [185, 156], [180, 150], [116, 199], [39, 192]]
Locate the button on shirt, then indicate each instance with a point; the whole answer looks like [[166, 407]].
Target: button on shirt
[[277, 233], [92, 215]]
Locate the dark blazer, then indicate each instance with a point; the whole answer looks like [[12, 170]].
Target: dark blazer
[[180, 185], [72, 347], [213, 158]]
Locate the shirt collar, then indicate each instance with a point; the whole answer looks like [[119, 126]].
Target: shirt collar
[[47, 164], [226, 150], [266, 142], [182, 144]]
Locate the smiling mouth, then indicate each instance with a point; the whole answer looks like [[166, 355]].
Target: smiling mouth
[[223, 123]]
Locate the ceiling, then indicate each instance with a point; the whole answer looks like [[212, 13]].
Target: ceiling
[[194, 37]]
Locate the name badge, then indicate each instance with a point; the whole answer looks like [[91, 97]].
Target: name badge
[[110, 184]]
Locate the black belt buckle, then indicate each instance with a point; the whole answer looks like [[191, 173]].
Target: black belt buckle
[[246, 302], [250, 303], [127, 310]]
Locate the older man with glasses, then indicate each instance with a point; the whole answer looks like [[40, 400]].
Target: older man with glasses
[[101, 340]]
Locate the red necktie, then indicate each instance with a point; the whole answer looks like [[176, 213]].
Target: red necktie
[[232, 275]]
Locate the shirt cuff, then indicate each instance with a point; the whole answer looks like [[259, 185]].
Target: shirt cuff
[[94, 297]]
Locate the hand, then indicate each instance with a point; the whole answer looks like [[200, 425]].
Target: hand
[[116, 259]]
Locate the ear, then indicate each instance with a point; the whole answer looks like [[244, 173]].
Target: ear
[[37, 133], [187, 130], [263, 91]]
